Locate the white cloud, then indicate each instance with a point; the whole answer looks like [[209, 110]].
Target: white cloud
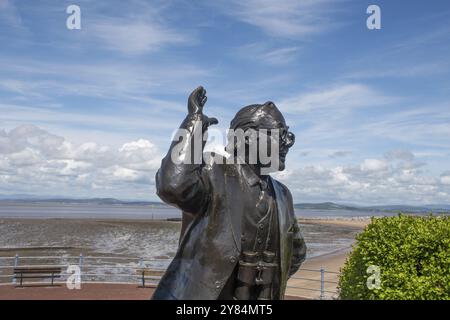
[[25, 157], [373, 181], [35, 161], [373, 165], [124, 174], [445, 178]]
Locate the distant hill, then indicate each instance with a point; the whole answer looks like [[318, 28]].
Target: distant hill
[[324, 206], [437, 208], [100, 201], [412, 209]]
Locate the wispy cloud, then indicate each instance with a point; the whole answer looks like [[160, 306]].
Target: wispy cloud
[[340, 154], [137, 37], [47, 81], [135, 122], [9, 16], [337, 98], [424, 126], [284, 18], [268, 54], [405, 71]]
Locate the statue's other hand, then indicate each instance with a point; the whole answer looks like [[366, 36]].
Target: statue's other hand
[[197, 100]]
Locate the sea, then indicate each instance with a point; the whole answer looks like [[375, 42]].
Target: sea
[[134, 211]]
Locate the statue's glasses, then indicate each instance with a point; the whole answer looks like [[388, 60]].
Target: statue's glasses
[[287, 138]]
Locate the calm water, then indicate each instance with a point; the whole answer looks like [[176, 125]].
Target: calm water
[[85, 211], [95, 211]]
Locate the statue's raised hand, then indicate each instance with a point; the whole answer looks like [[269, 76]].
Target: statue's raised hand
[[196, 102]]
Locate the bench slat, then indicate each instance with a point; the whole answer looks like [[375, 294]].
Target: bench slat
[[38, 271], [39, 277], [149, 272]]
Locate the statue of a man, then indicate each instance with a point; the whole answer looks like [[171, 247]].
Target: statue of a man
[[240, 238]]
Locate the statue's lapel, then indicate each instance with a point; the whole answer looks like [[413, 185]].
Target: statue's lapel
[[285, 241]]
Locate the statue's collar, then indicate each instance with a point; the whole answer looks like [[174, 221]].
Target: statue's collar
[[252, 178]]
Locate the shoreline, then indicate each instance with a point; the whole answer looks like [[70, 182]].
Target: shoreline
[[357, 220], [344, 222]]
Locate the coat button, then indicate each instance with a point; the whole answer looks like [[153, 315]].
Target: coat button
[[232, 259], [218, 284]]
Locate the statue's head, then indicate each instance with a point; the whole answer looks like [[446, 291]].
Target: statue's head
[[267, 122]]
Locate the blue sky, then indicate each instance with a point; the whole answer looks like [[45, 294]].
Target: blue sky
[[90, 112]]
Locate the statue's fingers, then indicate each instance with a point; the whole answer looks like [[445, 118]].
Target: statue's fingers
[[212, 121], [199, 89], [197, 92], [204, 99]]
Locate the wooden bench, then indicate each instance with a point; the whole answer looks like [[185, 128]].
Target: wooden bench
[[149, 274], [37, 272]]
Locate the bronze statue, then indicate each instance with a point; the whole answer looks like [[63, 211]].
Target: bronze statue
[[240, 238]]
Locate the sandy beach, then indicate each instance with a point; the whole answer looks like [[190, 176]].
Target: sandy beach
[[331, 263], [356, 223]]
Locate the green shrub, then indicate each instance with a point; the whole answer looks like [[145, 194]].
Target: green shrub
[[413, 254]]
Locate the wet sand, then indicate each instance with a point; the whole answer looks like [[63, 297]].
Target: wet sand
[[137, 238], [330, 262], [356, 223]]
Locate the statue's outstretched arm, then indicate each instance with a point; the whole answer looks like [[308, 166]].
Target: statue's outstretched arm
[[181, 181]]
